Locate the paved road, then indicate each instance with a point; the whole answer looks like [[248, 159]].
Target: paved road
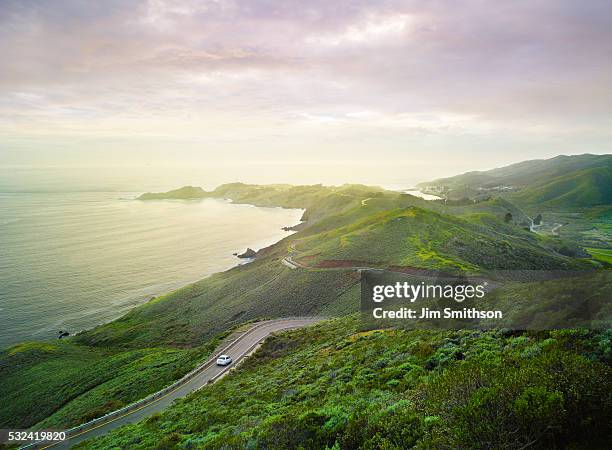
[[238, 350]]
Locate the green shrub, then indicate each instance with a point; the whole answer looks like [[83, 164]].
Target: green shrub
[[547, 401]]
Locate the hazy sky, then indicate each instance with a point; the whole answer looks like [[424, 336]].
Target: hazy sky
[[433, 86]]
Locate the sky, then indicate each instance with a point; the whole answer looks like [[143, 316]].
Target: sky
[[350, 88]]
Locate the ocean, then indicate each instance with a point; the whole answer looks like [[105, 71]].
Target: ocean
[[70, 260]]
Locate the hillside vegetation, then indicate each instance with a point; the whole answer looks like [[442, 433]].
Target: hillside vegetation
[[114, 364], [583, 188], [571, 194], [525, 173], [58, 384], [422, 238], [184, 193], [63, 384], [335, 386]]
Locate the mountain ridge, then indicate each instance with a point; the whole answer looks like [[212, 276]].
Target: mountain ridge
[[545, 182]]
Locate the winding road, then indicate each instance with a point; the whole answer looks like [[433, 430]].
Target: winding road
[[207, 373]]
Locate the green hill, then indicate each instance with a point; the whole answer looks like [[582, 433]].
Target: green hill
[[418, 237], [88, 375], [66, 384], [184, 193], [335, 386], [121, 361], [582, 188], [525, 173], [563, 181], [317, 200]]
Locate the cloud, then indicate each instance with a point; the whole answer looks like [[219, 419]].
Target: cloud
[[370, 32], [396, 71]]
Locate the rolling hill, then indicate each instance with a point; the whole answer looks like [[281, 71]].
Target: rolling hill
[[183, 193], [336, 386], [581, 188], [422, 238], [563, 181], [116, 363]]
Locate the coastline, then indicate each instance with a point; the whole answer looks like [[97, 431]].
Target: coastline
[[132, 294], [420, 194], [261, 245]]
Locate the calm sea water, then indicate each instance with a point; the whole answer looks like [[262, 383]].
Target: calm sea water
[[71, 260]]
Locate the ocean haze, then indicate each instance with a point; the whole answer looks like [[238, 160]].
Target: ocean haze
[[161, 178], [72, 260]]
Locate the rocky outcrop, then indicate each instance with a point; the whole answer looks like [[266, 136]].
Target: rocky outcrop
[[249, 253]]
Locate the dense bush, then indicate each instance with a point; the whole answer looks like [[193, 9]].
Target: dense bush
[[548, 401], [333, 386]]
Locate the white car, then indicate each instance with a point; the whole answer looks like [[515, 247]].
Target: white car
[[224, 360]]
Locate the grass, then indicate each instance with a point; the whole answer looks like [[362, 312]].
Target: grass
[[584, 188], [184, 193], [65, 384], [72, 381], [62, 383], [566, 182], [334, 386], [192, 315], [419, 237], [601, 254]]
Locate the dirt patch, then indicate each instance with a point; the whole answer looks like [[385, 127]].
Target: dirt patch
[[309, 257]]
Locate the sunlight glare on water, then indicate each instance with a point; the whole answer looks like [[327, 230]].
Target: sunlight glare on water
[[73, 260]]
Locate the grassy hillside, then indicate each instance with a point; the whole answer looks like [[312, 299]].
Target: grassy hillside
[[590, 227], [578, 181], [526, 173], [334, 386], [65, 384], [318, 200], [114, 364], [601, 254], [192, 315], [422, 238], [583, 188], [571, 194], [154, 344], [184, 193]]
